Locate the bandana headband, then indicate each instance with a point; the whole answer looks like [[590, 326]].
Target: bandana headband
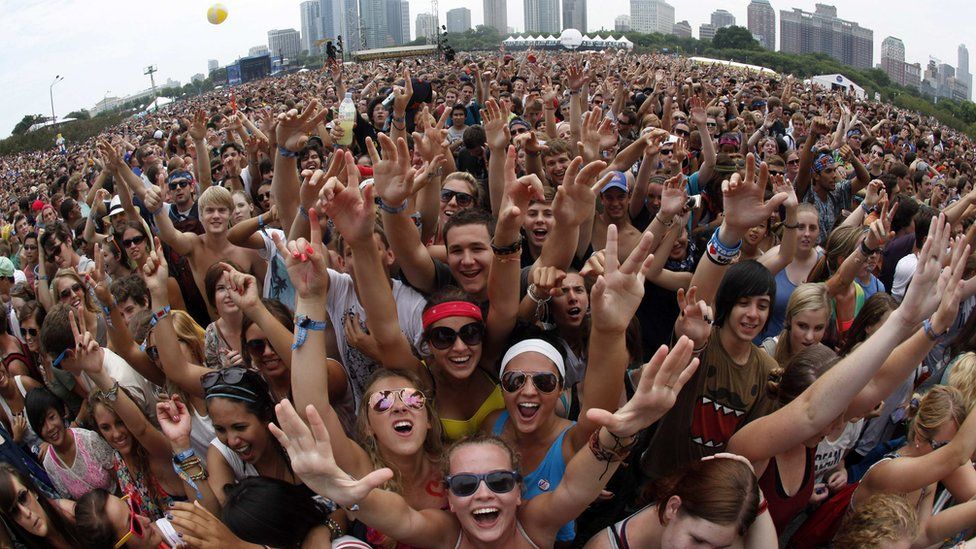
[[823, 161], [451, 308], [540, 346]]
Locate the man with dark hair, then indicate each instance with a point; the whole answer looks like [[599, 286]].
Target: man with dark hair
[[131, 294], [905, 269], [472, 158], [58, 246]]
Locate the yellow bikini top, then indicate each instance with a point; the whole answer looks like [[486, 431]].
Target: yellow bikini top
[[455, 429]]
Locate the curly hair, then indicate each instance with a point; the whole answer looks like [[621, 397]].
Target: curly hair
[[881, 521]]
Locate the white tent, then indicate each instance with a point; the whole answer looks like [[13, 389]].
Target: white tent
[[624, 42], [837, 82]]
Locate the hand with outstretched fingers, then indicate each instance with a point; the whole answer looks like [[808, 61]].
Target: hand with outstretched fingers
[[359, 338], [950, 287], [98, 280], [403, 94], [619, 290], [575, 199], [594, 267], [197, 128], [660, 382], [392, 173], [305, 260], [673, 197], [155, 270], [241, 287], [781, 185], [922, 298], [495, 118], [519, 191], [880, 230], [352, 211], [293, 128], [698, 115], [743, 199], [310, 451], [694, 317], [872, 193]]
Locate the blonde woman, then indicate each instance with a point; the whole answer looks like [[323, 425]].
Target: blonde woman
[[963, 377], [68, 287], [807, 314]]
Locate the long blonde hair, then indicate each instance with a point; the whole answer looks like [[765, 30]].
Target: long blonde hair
[[941, 404], [963, 377], [811, 296]]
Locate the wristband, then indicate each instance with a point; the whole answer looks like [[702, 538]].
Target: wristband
[[303, 211], [867, 210], [158, 315], [793, 226], [667, 224], [261, 222], [719, 253], [531, 295], [302, 325], [183, 456], [286, 153], [930, 332], [391, 209], [42, 277], [155, 212], [511, 249]]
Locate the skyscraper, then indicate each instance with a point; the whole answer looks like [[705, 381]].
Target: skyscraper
[[722, 18], [682, 29], [394, 19], [212, 65], [893, 59], [311, 25], [652, 16], [542, 16], [622, 23], [284, 43], [574, 15], [458, 20], [706, 31], [962, 71], [426, 25], [823, 32], [341, 18], [496, 15], [762, 23], [374, 28]]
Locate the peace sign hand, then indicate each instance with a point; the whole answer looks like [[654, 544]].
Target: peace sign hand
[[662, 378], [619, 291], [310, 450], [88, 354]]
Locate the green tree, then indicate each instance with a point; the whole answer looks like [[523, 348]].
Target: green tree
[[26, 122], [734, 38], [83, 114]]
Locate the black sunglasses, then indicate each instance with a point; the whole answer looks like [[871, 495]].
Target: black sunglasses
[[134, 241], [464, 484], [683, 133], [256, 346], [443, 337], [513, 380], [24, 499], [182, 184], [264, 196], [31, 247], [227, 376], [54, 251], [66, 293], [28, 332], [464, 200]]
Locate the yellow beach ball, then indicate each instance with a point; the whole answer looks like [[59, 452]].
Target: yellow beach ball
[[217, 14]]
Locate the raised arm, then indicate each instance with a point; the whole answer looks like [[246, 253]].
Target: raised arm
[[245, 234], [181, 242], [613, 301], [247, 297], [829, 396], [700, 119], [495, 119], [573, 209], [818, 127], [197, 130], [291, 134], [401, 98], [776, 262]]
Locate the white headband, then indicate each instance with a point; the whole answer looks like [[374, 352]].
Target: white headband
[[540, 346]]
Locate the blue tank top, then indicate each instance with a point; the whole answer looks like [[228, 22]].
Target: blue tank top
[[546, 476]]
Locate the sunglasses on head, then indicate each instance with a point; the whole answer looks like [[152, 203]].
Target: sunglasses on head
[[227, 376], [465, 484], [464, 200], [135, 526], [134, 241], [66, 293], [443, 337], [381, 401], [256, 346], [513, 380], [28, 332], [182, 184]]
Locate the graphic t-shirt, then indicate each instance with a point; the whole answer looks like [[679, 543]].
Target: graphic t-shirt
[[720, 399]]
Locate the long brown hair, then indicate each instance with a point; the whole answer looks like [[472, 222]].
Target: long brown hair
[[8, 500]]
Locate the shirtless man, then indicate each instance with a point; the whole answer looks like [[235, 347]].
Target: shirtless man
[[615, 198], [215, 206]]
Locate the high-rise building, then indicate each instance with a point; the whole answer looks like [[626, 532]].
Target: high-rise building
[[621, 23], [761, 19], [542, 16], [258, 50], [311, 25], [706, 31], [574, 15], [722, 18], [458, 20], [893, 59], [913, 75], [212, 65], [395, 16], [652, 16], [962, 71], [682, 29], [284, 43], [375, 27], [496, 15], [823, 32], [426, 25], [341, 18]]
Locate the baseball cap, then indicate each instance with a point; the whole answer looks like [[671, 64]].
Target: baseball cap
[[6, 267], [617, 180], [37, 206], [158, 134]]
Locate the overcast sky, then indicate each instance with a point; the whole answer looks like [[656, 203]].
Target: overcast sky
[[102, 47]]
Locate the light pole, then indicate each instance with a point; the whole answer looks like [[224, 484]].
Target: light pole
[[57, 78]]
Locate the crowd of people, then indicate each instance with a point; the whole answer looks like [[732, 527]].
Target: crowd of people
[[548, 300]]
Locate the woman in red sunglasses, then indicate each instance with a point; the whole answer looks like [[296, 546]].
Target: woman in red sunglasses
[[482, 473], [105, 521]]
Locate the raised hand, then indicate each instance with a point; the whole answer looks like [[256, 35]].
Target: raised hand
[[872, 193], [155, 270], [110, 156], [312, 183], [619, 291], [547, 281], [174, 420], [530, 143], [293, 128], [402, 94], [312, 460], [673, 197], [392, 174], [694, 317], [577, 77], [880, 230], [243, 287], [922, 297], [97, 279], [781, 185], [305, 260], [198, 127], [597, 133], [352, 211], [88, 354], [595, 266], [819, 126], [660, 382], [698, 115], [495, 120], [743, 198], [575, 199], [359, 338]]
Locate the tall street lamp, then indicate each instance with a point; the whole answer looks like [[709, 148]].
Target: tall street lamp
[[57, 78]]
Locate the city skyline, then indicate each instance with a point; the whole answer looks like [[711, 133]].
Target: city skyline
[[110, 65]]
